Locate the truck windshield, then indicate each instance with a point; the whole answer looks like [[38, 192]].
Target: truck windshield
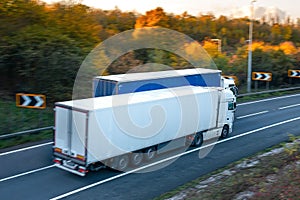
[[231, 106]]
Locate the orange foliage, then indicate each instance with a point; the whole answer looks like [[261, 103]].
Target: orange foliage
[[287, 47], [211, 48], [153, 18]]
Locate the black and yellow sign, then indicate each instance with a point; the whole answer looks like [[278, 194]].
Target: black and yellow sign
[[294, 73], [261, 76], [31, 100]]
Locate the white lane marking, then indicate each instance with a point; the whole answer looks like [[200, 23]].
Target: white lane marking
[[26, 173], [170, 158], [270, 99], [253, 114], [290, 106], [26, 148]]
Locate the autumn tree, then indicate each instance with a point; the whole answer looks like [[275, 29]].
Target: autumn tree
[[153, 18], [44, 46]]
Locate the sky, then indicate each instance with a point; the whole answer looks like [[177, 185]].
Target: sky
[[195, 7]]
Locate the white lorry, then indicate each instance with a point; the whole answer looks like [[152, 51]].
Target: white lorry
[[229, 84], [123, 130]]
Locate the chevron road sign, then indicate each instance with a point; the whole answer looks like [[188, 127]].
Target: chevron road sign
[[294, 73], [31, 100], [261, 76]]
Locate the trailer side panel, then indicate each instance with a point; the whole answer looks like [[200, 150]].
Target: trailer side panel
[[124, 128]]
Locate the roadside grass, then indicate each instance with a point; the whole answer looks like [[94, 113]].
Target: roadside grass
[[14, 119], [265, 96], [34, 137], [265, 176]]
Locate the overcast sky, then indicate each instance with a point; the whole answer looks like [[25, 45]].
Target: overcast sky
[[194, 7]]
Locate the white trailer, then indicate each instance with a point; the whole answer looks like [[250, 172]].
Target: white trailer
[[120, 130]]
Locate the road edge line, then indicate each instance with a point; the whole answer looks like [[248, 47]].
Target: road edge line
[[26, 173], [25, 149]]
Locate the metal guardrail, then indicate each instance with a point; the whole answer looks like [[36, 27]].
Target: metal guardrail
[[51, 127], [6, 136], [268, 91]]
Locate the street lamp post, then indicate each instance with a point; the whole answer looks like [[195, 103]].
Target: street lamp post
[[250, 48]]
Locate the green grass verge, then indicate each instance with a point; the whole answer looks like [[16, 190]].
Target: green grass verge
[[266, 95], [14, 119], [43, 135]]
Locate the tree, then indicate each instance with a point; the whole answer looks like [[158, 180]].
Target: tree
[[276, 33], [153, 18], [287, 32], [38, 59], [211, 48], [77, 23], [47, 62], [288, 48]]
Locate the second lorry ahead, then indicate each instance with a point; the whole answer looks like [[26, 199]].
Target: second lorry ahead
[[145, 81], [122, 130]]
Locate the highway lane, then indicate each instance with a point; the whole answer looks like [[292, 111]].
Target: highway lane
[[267, 104], [187, 168], [53, 182], [13, 163]]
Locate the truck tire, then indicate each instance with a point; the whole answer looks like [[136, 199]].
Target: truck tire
[[150, 153], [123, 162], [136, 158], [96, 166], [198, 140], [225, 132]]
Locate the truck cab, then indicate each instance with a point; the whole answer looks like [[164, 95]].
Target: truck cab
[[228, 83]]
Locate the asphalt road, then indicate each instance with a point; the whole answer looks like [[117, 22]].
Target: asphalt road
[[29, 173]]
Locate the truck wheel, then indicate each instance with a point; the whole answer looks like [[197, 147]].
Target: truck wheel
[[123, 162], [136, 158], [96, 166], [150, 153], [225, 132], [198, 140]]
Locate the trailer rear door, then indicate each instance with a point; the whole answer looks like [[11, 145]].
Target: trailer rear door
[[70, 132]]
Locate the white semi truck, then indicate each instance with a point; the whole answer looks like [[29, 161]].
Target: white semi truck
[[229, 84], [127, 129]]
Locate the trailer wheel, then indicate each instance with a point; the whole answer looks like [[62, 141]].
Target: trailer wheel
[[225, 132], [136, 158], [123, 162], [198, 140], [96, 166], [150, 153]]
